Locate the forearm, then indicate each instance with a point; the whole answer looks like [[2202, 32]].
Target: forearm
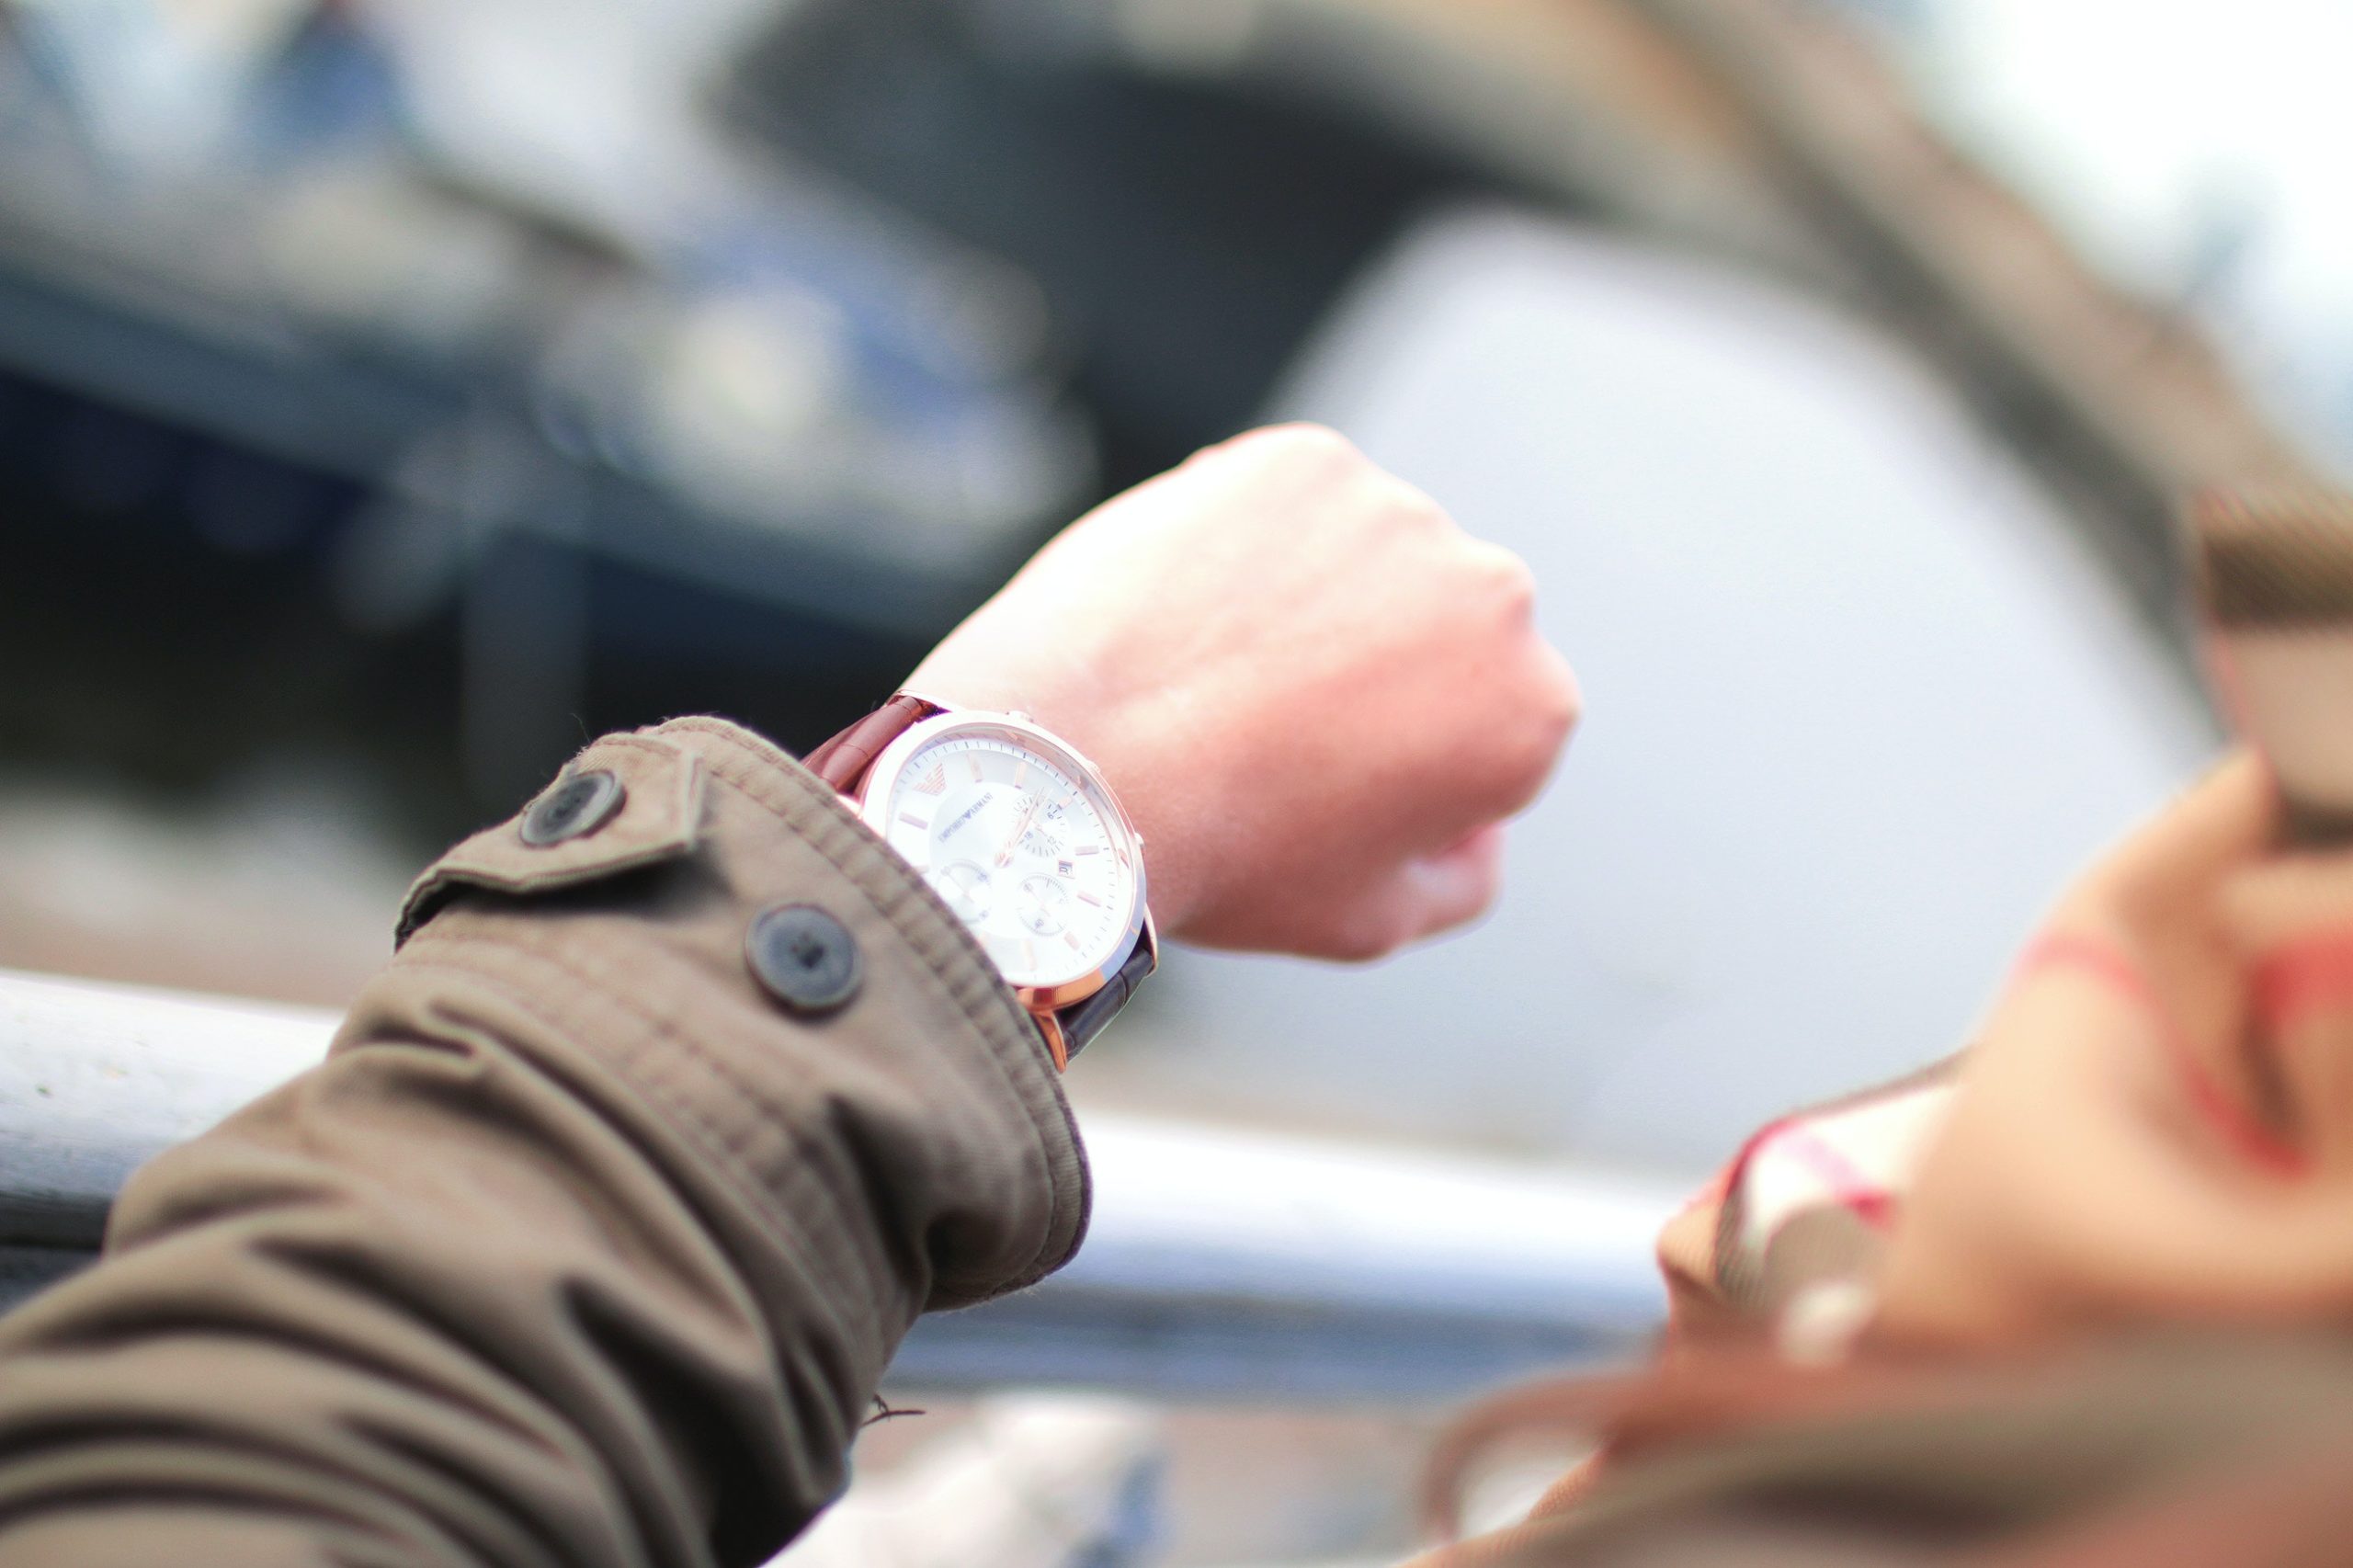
[[583, 1247]]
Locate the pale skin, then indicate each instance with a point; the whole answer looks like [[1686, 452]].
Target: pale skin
[[1319, 698]]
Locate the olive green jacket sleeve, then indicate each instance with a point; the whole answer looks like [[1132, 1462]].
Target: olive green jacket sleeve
[[584, 1246]]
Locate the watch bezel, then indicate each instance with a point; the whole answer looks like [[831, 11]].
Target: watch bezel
[[882, 779]]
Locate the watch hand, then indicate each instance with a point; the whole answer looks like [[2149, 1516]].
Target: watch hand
[[1005, 855]]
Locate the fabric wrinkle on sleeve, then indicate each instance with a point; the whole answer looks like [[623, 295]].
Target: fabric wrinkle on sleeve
[[582, 1247]]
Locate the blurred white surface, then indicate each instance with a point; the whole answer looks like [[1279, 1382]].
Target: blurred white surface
[[2196, 152], [1222, 1211], [1032, 1482], [1857, 704]]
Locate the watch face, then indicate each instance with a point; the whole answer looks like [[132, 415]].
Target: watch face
[[1019, 839]]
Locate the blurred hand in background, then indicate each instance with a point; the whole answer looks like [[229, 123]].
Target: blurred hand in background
[[2157, 1125]]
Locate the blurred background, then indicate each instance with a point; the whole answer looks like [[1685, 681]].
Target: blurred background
[[395, 393]]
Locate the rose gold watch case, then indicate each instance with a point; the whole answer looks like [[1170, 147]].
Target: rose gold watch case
[[874, 806]]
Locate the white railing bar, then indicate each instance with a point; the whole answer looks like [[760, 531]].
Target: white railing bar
[[1220, 1263]]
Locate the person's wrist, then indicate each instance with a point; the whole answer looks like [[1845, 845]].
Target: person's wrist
[[1129, 739]]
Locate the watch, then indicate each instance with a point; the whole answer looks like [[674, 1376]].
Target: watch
[[1024, 841]]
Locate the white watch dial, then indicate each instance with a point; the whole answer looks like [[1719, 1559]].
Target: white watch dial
[[1026, 850]]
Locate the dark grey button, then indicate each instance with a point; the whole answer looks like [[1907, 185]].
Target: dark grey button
[[578, 805], [805, 958]]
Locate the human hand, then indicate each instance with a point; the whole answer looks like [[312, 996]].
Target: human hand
[[1317, 695], [2157, 1124]]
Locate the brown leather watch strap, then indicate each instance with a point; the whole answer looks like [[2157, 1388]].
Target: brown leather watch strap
[[842, 762], [1083, 1020]]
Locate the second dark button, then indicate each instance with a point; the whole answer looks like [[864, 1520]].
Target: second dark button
[[578, 805], [804, 958]]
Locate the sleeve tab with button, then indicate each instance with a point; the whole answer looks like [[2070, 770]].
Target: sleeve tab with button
[[628, 801]]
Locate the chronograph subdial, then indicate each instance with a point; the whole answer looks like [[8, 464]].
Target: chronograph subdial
[[1044, 837], [1042, 903], [967, 888]]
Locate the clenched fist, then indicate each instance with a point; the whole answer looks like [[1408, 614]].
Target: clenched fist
[[1317, 695]]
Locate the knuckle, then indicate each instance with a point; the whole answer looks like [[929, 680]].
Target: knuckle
[[1521, 779], [1368, 934], [1306, 436], [1472, 907], [1561, 702], [1411, 508], [1303, 444], [1545, 714], [1509, 581]]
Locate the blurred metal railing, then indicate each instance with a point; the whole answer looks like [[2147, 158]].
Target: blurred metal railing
[[1220, 1265]]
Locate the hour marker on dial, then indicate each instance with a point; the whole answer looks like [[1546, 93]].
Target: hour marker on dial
[[1032, 864]]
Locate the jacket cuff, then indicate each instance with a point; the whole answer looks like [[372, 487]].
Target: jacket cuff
[[629, 920]]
